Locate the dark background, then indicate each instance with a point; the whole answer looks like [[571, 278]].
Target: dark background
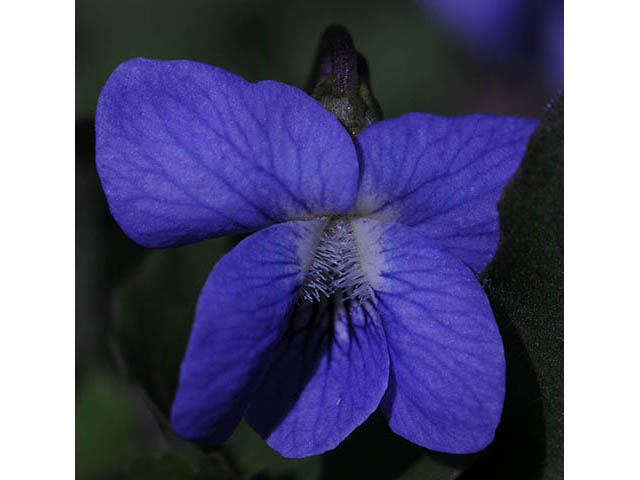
[[417, 62]]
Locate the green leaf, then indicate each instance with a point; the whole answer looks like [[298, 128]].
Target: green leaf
[[525, 286]]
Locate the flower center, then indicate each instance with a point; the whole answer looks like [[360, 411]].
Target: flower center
[[336, 267]]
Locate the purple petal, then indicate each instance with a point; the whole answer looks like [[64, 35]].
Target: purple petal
[[442, 176], [240, 316], [447, 379], [329, 373], [187, 151]]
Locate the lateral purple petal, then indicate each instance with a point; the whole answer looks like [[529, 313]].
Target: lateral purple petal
[[447, 380], [187, 151], [240, 316], [329, 373], [442, 176]]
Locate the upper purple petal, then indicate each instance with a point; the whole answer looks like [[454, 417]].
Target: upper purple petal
[[442, 176], [240, 316], [447, 369], [187, 151], [329, 373]]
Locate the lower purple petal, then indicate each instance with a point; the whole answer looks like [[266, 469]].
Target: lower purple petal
[[240, 316], [328, 375], [447, 370]]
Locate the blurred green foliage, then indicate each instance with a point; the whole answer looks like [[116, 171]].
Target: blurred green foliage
[[104, 424], [251, 455], [427, 468], [415, 66], [169, 467]]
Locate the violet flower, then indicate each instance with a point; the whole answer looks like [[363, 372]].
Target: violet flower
[[507, 30], [358, 288]]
